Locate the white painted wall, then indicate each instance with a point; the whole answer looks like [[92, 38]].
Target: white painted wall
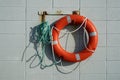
[[16, 18]]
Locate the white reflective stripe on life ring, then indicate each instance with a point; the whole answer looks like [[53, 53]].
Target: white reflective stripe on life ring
[[77, 56], [68, 19], [54, 42], [92, 34]]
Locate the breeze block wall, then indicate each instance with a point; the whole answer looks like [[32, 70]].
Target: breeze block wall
[[16, 18]]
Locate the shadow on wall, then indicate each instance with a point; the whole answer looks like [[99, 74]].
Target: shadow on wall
[[78, 42]]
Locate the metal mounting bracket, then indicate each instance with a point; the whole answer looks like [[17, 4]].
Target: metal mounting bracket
[[44, 13]]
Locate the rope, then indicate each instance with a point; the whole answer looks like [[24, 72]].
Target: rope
[[85, 31], [66, 69], [73, 30], [41, 36]]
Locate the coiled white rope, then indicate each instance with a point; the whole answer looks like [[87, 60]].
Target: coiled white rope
[[84, 33], [41, 36], [60, 61]]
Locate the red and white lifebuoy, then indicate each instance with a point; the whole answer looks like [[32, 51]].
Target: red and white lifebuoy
[[74, 20]]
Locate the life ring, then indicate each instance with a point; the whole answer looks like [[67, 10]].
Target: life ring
[[85, 53]]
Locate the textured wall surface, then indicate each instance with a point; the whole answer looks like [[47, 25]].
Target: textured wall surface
[[16, 18]]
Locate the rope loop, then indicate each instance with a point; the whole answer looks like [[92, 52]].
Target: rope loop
[[41, 36]]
